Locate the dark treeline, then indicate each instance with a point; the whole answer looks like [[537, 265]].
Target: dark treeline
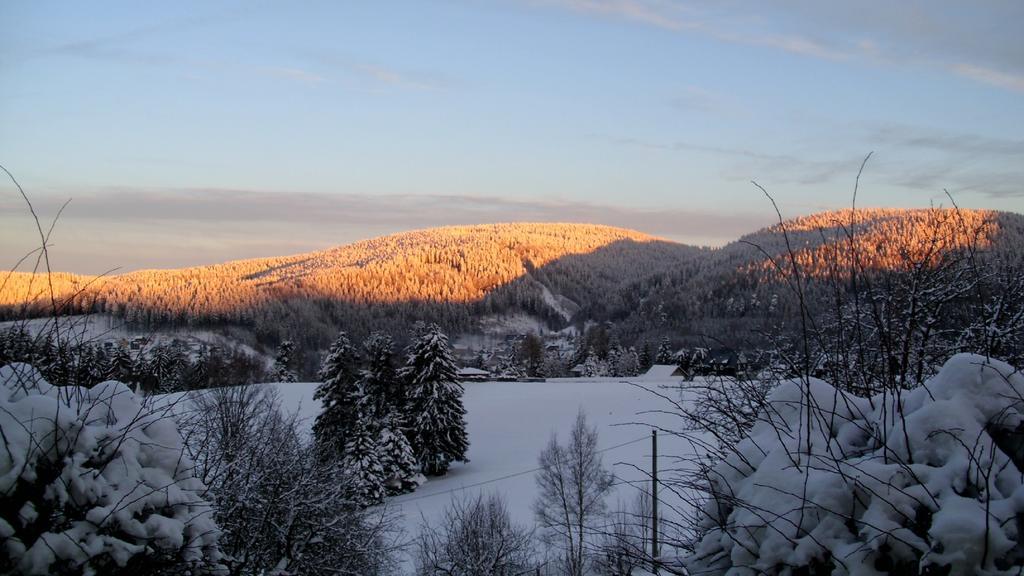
[[157, 368], [644, 289]]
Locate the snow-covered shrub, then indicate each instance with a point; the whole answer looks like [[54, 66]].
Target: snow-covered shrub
[[476, 537], [95, 481], [282, 508], [925, 481]]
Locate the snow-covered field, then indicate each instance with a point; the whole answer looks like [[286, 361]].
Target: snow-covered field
[[511, 422]]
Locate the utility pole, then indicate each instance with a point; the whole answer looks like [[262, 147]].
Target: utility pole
[[654, 500]]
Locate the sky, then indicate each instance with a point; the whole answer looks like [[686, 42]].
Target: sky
[[187, 133]]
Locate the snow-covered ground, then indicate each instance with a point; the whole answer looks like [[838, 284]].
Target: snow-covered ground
[[511, 422]]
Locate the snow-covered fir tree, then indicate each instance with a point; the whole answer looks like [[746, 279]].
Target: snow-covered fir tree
[[664, 355], [510, 366], [282, 371], [628, 363], [362, 461], [340, 395], [615, 354], [379, 380], [594, 366], [554, 365], [401, 472], [645, 360], [199, 374], [163, 370], [438, 423], [122, 366]]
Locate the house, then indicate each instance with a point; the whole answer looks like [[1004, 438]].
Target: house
[[664, 372], [472, 374]]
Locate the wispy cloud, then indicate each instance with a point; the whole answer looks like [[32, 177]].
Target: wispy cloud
[[961, 144], [1014, 82], [786, 43], [676, 16], [704, 100], [392, 78], [293, 74], [782, 168], [661, 14], [906, 156], [911, 33], [177, 227]]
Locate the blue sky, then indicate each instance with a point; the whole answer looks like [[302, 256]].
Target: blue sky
[[191, 133]]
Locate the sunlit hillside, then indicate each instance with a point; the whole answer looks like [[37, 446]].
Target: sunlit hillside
[[450, 264], [876, 239], [555, 273]]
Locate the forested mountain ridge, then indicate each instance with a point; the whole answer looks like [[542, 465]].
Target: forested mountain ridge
[[438, 273], [562, 273]]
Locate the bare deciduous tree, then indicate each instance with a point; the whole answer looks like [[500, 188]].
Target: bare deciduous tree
[[573, 484]]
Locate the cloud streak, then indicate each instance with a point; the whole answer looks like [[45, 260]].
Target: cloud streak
[[660, 14], [910, 33], [1013, 82], [929, 160], [159, 227]]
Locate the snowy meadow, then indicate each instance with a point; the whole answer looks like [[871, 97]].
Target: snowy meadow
[[509, 423]]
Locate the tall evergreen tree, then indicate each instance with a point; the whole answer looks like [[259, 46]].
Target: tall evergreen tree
[[164, 370], [664, 355], [340, 396], [531, 351], [594, 366], [282, 371], [645, 360], [401, 471], [199, 371], [362, 460], [122, 366], [379, 379], [438, 426]]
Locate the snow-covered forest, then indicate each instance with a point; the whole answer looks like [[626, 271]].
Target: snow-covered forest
[[639, 288]]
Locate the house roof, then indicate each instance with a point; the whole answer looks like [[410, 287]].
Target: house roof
[[662, 371], [469, 371]]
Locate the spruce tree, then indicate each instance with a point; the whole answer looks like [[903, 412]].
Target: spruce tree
[[645, 359], [163, 370], [612, 361], [379, 379], [122, 366], [594, 366], [664, 355], [199, 371], [438, 426], [282, 371], [340, 396], [401, 471], [362, 461]]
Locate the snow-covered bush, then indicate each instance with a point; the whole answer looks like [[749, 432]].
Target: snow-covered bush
[[95, 481], [283, 509], [925, 481], [476, 537]]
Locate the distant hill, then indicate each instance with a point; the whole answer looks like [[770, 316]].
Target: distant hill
[[559, 273]]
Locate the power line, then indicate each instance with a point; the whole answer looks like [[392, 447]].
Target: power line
[[500, 478]]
